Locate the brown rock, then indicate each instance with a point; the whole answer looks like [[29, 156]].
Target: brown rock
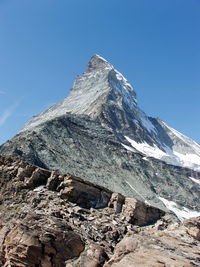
[[21, 247], [45, 226], [24, 172], [93, 256], [24, 246], [38, 177], [140, 213], [54, 180], [117, 201], [3, 233], [84, 193], [151, 250], [193, 227]]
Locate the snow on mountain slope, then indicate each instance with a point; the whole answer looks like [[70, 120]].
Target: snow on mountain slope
[[103, 93], [181, 212], [197, 181], [170, 155]]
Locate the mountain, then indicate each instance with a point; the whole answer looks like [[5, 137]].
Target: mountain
[[48, 219], [99, 133], [103, 93]]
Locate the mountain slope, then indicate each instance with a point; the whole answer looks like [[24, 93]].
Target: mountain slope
[[103, 93], [100, 134]]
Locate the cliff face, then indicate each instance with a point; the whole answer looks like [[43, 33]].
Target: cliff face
[[100, 134], [55, 220], [104, 94]]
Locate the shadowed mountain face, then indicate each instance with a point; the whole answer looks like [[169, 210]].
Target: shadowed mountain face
[[99, 133]]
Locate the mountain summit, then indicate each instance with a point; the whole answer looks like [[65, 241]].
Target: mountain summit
[[99, 133], [92, 92], [97, 62]]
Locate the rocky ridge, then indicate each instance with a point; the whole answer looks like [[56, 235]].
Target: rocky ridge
[[100, 134], [53, 220]]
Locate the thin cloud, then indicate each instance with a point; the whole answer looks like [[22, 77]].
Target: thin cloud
[[7, 113], [2, 92]]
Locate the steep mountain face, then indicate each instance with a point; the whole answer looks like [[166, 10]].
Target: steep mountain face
[[103, 93], [99, 133]]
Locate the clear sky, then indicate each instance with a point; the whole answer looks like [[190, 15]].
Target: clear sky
[[44, 44]]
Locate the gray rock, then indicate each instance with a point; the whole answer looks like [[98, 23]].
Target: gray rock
[[84, 135]]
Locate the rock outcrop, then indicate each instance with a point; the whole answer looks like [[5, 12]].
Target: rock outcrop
[[29, 243], [48, 219]]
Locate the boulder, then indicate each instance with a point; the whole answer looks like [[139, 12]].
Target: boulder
[[32, 245], [83, 193], [193, 227], [140, 213]]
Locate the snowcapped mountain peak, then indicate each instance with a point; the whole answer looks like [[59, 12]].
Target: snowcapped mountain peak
[[97, 62], [96, 93], [119, 82], [104, 94]]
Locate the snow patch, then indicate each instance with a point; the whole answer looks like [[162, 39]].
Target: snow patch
[[40, 188], [147, 123], [136, 122], [124, 88], [181, 136], [122, 78], [151, 151], [128, 148], [195, 180], [182, 213], [103, 59], [169, 156]]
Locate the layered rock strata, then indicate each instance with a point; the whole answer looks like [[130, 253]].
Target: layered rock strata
[[53, 220]]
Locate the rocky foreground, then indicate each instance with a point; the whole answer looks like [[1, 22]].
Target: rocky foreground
[[49, 219]]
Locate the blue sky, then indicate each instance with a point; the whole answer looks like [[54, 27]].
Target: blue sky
[[44, 44]]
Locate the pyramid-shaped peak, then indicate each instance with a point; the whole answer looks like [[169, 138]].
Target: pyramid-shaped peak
[[98, 62], [91, 92]]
